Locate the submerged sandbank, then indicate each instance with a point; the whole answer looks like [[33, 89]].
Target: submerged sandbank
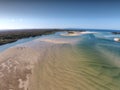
[[51, 63], [76, 33]]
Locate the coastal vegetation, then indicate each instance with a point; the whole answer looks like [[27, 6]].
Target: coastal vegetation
[[12, 36]]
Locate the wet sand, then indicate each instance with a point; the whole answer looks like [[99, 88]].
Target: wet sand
[[74, 33], [51, 65]]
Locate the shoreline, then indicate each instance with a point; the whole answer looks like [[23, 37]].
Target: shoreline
[[9, 36], [49, 61], [76, 33], [12, 36]]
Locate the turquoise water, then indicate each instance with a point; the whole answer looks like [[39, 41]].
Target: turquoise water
[[91, 63], [103, 39], [21, 41]]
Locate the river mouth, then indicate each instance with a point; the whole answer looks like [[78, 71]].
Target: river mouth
[[87, 61]]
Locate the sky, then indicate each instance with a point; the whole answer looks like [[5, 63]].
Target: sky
[[83, 14]]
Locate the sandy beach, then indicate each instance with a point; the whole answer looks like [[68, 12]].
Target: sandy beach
[[52, 64], [75, 33]]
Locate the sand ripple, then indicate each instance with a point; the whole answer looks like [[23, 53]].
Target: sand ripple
[[56, 64]]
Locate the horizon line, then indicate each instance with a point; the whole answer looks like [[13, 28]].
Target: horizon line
[[57, 28]]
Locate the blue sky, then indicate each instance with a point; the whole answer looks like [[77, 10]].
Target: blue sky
[[96, 14]]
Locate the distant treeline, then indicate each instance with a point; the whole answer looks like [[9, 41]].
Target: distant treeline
[[11, 36]]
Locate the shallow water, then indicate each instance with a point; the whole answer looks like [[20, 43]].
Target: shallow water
[[83, 62]]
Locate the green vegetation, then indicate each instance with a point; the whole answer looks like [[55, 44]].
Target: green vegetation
[[12, 36]]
